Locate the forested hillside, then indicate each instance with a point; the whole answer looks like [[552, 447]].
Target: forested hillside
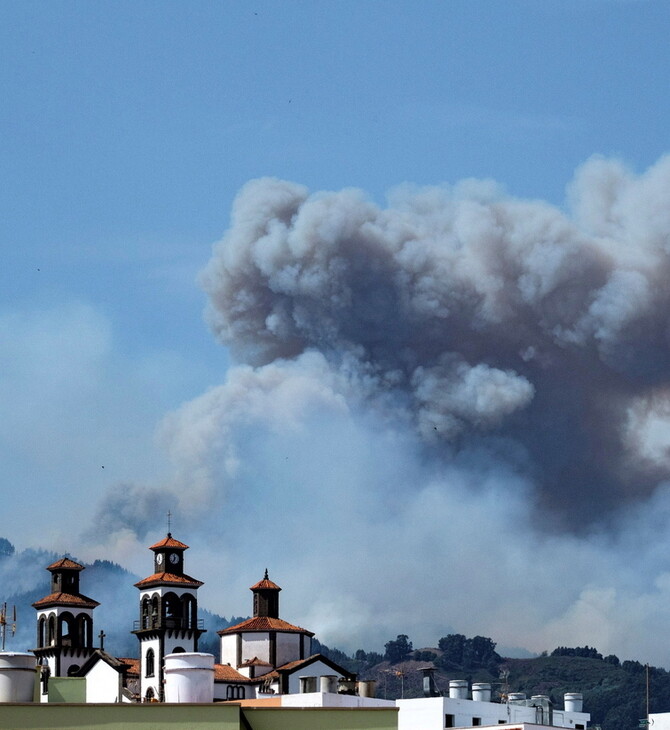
[[614, 691]]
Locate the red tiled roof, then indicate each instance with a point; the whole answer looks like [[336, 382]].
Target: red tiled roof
[[263, 623], [265, 583], [225, 673], [65, 599], [65, 563], [134, 665], [255, 662], [169, 578], [169, 542]]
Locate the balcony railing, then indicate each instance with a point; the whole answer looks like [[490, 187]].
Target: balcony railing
[[153, 622]]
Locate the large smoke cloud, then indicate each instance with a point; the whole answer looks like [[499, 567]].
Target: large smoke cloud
[[476, 314], [449, 413]]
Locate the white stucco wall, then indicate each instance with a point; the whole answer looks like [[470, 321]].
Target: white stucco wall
[[255, 645], [146, 682], [330, 699], [103, 683], [659, 721], [316, 669], [288, 648], [428, 713], [228, 646]]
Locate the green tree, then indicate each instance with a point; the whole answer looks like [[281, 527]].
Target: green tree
[[398, 650]]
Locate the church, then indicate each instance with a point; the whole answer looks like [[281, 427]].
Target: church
[[260, 657]]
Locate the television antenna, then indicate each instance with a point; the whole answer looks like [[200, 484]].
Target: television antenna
[[5, 622]]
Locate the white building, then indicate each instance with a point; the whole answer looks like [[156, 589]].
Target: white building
[[64, 625], [271, 655], [659, 721], [457, 710]]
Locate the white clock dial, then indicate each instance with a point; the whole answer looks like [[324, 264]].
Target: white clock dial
[[159, 558]]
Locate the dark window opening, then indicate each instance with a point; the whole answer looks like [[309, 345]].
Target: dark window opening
[[449, 721], [150, 663], [476, 721]]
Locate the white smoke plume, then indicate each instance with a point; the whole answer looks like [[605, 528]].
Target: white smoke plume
[[451, 412]]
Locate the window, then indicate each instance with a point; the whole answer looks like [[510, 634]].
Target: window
[[579, 726], [150, 661], [450, 721], [476, 721]]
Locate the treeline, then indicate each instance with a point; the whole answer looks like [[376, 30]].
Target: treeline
[[455, 652]]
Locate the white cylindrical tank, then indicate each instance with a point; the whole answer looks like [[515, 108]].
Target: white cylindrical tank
[[328, 683], [367, 688], [189, 677], [17, 676], [573, 701], [516, 697], [458, 689], [481, 691]]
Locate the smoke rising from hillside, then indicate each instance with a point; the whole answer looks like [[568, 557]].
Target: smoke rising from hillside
[[476, 314], [438, 407]]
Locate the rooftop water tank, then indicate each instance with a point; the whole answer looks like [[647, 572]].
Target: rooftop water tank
[[458, 689], [189, 677], [367, 688], [17, 676], [516, 697], [481, 691], [573, 701], [328, 683]]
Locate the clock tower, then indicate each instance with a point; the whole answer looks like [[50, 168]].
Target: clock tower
[[168, 620]]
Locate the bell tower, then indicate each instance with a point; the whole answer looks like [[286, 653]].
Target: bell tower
[[64, 624], [168, 620]]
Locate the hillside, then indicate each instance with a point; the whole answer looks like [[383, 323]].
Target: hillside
[[614, 692]]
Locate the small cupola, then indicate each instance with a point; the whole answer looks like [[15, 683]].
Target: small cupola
[[65, 576], [266, 597]]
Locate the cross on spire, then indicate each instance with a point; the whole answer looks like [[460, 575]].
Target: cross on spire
[[102, 635]]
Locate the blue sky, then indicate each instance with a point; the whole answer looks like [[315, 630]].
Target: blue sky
[[127, 130]]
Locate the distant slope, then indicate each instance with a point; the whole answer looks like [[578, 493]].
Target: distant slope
[[614, 692]]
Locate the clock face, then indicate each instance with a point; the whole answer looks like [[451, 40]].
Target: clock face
[[174, 558], [159, 558]]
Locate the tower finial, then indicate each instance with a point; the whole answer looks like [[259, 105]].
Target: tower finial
[[169, 523], [266, 574]]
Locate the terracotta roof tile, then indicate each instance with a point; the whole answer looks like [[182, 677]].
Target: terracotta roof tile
[[225, 673], [255, 662], [134, 665], [65, 599], [169, 578], [264, 623], [65, 563], [169, 542], [266, 583]]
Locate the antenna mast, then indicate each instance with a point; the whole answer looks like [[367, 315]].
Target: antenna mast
[[4, 622]]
